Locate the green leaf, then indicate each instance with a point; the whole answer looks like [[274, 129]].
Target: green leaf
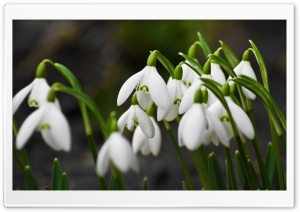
[[116, 180], [56, 175], [68, 75], [205, 48], [145, 182], [261, 63], [165, 62], [29, 179], [270, 161], [215, 173], [253, 173], [241, 170], [64, 182], [193, 64], [231, 57], [229, 170]]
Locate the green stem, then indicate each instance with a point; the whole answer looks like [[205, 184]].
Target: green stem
[[203, 157], [24, 157], [277, 158], [181, 159], [231, 176], [260, 160], [200, 172]]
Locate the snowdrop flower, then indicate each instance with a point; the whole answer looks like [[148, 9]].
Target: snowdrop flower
[[145, 145], [188, 97], [188, 75], [245, 68], [49, 120], [38, 90], [240, 118], [176, 90], [150, 87], [135, 116], [116, 150], [198, 125], [217, 73]]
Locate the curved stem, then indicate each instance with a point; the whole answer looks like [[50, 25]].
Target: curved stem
[[181, 159], [200, 172]]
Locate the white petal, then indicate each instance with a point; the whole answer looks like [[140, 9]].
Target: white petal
[[248, 71], [39, 92], [138, 140], [59, 127], [193, 130], [211, 98], [144, 99], [248, 93], [239, 67], [123, 120], [161, 114], [103, 158], [228, 129], [131, 119], [145, 122], [172, 114], [29, 125], [155, 142], [172, 87], [216, 108], [188, 75], [120, 152], [180, 127], [218, 128], [188, 98], [145, 150], [217, 73], [20, 96], [128, 86], [158, 90], [241, 119], [49, 140]]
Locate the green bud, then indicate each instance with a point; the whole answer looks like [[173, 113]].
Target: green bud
[[51, 95], [192, 51], [217, 53], [198, 96], [246, 55], [232, 88], [114, 125], [205, 95], [225, 89], [178, 72], [152, 59], [40, 70], [206, 67], [134, 100]]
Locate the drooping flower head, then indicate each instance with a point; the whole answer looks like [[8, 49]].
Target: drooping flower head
[[134, 117], [116, 150], [244, 67], [37, 91], [216, 71], [149, 85], [176, 90], [242, 121], [198, 125], [142, 143], [53, 125]]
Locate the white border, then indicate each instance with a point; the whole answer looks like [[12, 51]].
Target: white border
[[148, 198]]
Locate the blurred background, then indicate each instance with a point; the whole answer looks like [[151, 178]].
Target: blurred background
[[103, 55]]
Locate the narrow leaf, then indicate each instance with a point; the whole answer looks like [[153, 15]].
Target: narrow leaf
[[227, 67], [241, 170], [64, 182], [56, 175], [205, 48], [231, 57], [165, 62], [29, 179], [145, 182], [192, 63], [270, 161], [215, 173], [253, 173], [262, 66], [184, 186]]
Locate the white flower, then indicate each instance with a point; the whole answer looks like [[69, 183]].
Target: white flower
[[146, 145], [217, 73], [188, 75], [197, 127], [53, 125], [245, 68], [240, 118], [176, 90], [188, 97], [117, 150], [38, 96], [150, 87], [133, 117]]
